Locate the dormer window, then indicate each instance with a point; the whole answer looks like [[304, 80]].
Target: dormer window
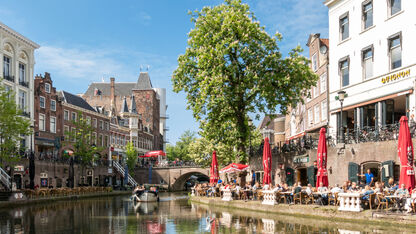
[[47, 87]]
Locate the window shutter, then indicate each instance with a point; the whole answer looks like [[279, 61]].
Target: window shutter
[[311, 175], [353, 170]]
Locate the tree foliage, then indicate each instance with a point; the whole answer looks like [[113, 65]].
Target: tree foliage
[[233, 68], [131, 159], [200, 151], [82, 140], [12, 126], [181, 149]]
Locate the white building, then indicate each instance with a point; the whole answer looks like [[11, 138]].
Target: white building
[[17, 56], [373, 60], [163, 128]]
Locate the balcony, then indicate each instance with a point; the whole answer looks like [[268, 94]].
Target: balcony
[[24, 83], [165, 128], [164, 116], [166, 140], [9, 78]]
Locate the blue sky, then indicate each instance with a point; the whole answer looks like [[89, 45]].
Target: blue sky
[[83, 41]]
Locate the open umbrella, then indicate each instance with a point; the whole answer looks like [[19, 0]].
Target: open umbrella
[[322, 157], [405, 153], [234, 167], [214, 176], [267, 162]]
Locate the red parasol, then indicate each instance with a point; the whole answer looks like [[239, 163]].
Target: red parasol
[[405, 153], [322, 157], [214, 176], [267, 162], [153, 154], [234, 167]]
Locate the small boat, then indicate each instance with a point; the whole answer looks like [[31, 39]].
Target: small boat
[[145, 196]]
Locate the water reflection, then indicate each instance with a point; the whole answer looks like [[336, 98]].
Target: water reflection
[[173, 214]]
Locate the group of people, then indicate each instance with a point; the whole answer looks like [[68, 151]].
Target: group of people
[[392, 192]]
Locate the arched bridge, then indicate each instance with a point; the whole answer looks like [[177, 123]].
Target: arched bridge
[[174, 177]]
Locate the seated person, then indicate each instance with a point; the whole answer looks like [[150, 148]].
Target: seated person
[[337, 189], [266, 187], [366, 193], [277, 188], [402, 194], [323, 190], [298, 188], [354, 188], [379, 188], [309, 190]]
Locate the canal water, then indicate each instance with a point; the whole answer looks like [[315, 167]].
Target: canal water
[[173, 214]]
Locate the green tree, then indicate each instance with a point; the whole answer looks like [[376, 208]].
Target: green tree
[[131, 153], [82, 139], [180, 150], [233, 68], [12, 126], [200, 151]]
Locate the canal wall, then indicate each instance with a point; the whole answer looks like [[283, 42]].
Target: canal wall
[[15, 203], [312, 211]]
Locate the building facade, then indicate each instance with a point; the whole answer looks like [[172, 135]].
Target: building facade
[[48, 118], [372, 61], [143, 99], [18, 60]]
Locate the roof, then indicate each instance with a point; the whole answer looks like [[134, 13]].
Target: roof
[[143, 82], [124, 108], [18, 35], [121, 88], [133, 105], [76, 101], [325, 42]]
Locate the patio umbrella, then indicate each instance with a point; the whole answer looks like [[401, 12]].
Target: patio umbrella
[[322, 175], [214, 176], [267, 162], [405, 153], [234, 167]]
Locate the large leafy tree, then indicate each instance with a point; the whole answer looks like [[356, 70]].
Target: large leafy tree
[[200, 151], [83, 140], [12, 126], [181, 149], [233, 68]]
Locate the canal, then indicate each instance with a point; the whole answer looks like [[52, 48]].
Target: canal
[[173, 214]]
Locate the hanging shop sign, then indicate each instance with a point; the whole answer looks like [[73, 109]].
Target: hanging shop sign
[[301, 159], [395, 76]]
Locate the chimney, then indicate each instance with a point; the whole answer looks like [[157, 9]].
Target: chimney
[[113, 93]]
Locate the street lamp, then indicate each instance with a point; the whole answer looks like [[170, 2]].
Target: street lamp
[[341, 96]]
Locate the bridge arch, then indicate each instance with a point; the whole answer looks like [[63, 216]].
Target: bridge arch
[[179, 183]]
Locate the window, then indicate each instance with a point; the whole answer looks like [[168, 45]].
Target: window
[[52, 125], [8, 90], [73, 134], [395, 6], [367, 55], [101, 125], [100, 140], [107, 126], [324, 110], [53, 105], [41, 122], [309, 96], [368, 14], [345, 72], [42, 102], [6, 66], [94, 138], [66, 131], [323, 82], [317, 110], [315, 91], [66, 115], [22, 72], [94, 123], [314, 62], [344, 27], [105, 140], [395, 51], [47, 87], [89, 120], [22, 100], [74, 116], [310, 117]]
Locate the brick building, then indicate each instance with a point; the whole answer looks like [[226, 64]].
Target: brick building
[[72, 107], [144, 124], [48, 118]]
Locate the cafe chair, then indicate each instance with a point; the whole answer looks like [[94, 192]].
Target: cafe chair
[[382, 201]]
